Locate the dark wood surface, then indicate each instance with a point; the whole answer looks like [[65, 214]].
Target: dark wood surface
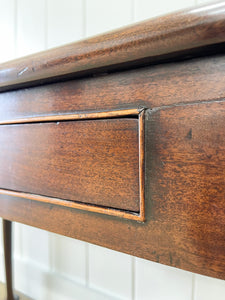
[[185, 213], [184, 106], [188, 81], [89, 161], [148, 41]]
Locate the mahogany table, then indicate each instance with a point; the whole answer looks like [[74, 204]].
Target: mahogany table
[[119, 140]]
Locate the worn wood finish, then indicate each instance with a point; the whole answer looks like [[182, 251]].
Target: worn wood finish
[[91, 161], [185, 213], [7, 235], [193, 80], [148, 40]]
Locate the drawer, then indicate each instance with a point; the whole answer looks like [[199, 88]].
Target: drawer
[[93, 163]]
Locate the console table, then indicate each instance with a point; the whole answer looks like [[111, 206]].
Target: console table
[[119, 140]]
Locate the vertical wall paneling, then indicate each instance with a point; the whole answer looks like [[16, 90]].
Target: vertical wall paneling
[[69, 258], [145, 9], [105, 15], [35, 245], [161, 282], [110, 272], [30, 35], [207, 288], [17, 241], [133, 279], [7, 29], [64, 22], [42, 285], [31, 279], [87, 264]]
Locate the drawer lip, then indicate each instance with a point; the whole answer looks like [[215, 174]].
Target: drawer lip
[[75, 116], [122, 213]]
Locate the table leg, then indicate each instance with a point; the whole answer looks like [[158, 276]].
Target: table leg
[[7, 235]]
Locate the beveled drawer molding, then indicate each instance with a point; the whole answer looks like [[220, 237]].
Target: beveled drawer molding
[[83, 161]]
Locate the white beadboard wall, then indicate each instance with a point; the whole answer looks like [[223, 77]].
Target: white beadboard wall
[[49, 266]]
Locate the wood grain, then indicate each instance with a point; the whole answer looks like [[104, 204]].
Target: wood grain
[[74, 116], [180, 190], [148, 40], [89, 161], [185, 184], [193, 80]]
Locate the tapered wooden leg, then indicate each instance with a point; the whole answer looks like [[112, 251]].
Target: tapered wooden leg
[[7, 235]]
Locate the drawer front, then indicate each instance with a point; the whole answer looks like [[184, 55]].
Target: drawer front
[[94, 162]]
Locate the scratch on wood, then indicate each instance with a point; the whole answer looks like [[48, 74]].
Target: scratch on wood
[[22, 71]]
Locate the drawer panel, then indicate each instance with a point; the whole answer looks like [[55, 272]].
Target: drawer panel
[[94, 162]]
